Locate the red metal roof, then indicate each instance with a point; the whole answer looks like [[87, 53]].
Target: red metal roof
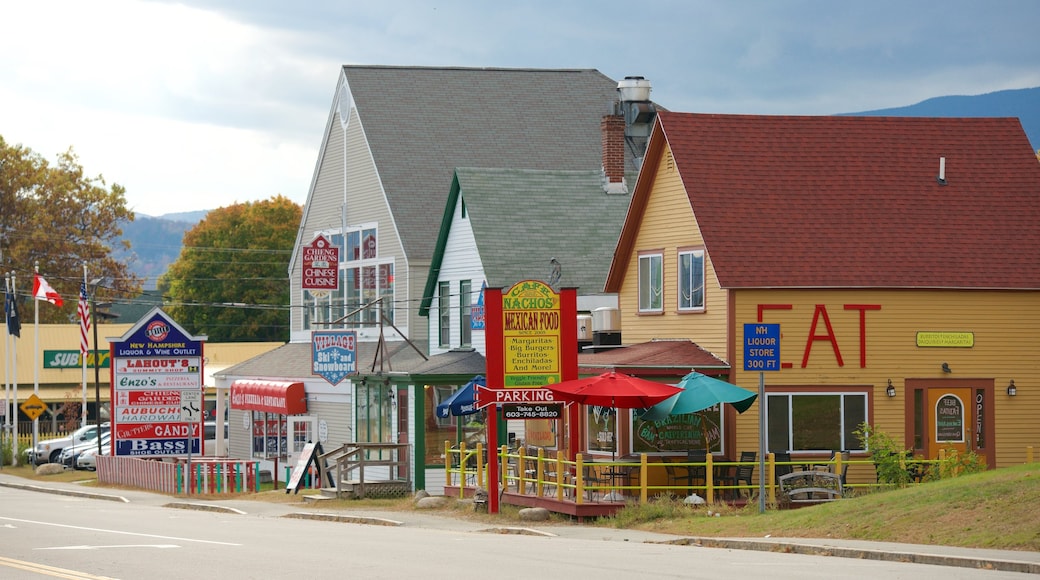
[[854, 202], [668, 356]]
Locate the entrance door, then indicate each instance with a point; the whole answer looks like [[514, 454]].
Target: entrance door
[[301, 429], [950, 419]]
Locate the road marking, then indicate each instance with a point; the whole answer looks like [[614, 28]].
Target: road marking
[[115, 546], [120, 532], [49, 570]]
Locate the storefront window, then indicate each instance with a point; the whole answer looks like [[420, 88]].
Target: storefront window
[[680, 433], [814, 421]]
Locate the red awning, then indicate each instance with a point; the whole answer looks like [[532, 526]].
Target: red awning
[[280, 397]]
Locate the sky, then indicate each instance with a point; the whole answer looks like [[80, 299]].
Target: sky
[[201, 104]]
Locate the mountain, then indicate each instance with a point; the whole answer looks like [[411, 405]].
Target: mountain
[[155, 243], [1021, 103]]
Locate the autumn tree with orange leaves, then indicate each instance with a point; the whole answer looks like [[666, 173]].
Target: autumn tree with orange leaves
[[230, 282]]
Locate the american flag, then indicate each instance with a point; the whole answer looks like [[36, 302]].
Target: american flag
[[83, 311]]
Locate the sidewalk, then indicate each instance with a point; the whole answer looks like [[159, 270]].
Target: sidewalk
[[1004, 560]]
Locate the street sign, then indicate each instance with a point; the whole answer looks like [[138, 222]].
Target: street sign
[[191, 406], [487, 397], [33, 407], [761, 347]]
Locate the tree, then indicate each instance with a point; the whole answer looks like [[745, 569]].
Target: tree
[[59, 217], [230, 282]]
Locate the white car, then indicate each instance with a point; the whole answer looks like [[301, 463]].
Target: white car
[[49, 450], [70, 456], [88, 459]]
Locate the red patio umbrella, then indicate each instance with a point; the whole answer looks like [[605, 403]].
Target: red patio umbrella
[[613, 389]]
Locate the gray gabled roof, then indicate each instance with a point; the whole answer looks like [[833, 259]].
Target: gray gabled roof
[[421, 123], [521, 219]]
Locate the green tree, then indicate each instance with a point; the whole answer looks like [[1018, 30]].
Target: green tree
[[57, 216], [230, 282]]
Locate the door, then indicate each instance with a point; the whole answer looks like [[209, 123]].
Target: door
[[949, 419], [301, 429]]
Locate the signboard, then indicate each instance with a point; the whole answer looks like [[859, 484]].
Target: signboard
[[531, 334], [321, 265], [478, 314], [334, 354], [310, 453], [69, 359], [552, 411], [487, 397], [949, 420], [157, 386], [946, 339], [191, 406], [761, 347], [33, 407]]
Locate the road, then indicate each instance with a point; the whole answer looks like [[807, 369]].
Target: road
[[44, 535]]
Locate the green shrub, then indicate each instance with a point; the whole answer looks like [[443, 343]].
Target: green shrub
[[889, 458]]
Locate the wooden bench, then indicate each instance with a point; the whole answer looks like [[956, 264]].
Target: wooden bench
[[809, 487]]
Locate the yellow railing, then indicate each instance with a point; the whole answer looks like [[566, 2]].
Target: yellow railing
[[464, 466], [542, 475]]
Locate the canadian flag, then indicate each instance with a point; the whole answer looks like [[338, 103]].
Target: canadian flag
[[43, 291]]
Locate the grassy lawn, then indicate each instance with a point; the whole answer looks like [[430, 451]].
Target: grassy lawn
[[997, 509]]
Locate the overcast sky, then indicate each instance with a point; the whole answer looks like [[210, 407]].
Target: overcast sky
[[204, 103]]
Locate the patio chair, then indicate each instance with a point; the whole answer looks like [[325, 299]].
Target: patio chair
[[591, 476], [743, 474], [783, 465], [697, 472], [679, 474]]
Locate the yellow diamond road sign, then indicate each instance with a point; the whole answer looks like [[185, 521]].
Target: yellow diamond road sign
[[33, 406]]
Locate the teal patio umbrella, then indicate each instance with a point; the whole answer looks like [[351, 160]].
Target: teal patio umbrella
[[701, 392]]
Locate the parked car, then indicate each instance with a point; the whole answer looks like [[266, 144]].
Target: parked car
[[88, 459], [49, 450], [71, 454], [209, 434]]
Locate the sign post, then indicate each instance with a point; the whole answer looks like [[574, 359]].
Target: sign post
[[191, 406], [761, 353]]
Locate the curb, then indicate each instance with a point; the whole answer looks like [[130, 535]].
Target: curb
[[68, 492], [862, 554]]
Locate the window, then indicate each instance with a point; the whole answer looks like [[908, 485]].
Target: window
[[650, 282], [444, 313], [465, 313], [704, 429], [365, 280], [691, 280], [815, 421]]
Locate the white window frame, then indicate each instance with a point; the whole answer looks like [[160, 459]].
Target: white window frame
[[444, 314], [687, 289], [648, 302]]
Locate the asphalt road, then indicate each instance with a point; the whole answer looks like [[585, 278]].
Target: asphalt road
[[73, 536]]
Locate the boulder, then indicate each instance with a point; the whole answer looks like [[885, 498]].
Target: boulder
[[431, 502], [50, 469], [535, 514]]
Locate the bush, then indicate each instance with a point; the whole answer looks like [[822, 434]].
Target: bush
[[889, 458], [952, 463], [894, 464]]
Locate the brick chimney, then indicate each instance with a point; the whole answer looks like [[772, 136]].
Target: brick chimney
[[612, 131]]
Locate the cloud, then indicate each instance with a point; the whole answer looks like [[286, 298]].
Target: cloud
[[194, 104]]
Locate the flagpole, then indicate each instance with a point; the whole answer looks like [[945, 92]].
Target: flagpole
[[8, 345], [83, 346], [14, 375], [36, 360]]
